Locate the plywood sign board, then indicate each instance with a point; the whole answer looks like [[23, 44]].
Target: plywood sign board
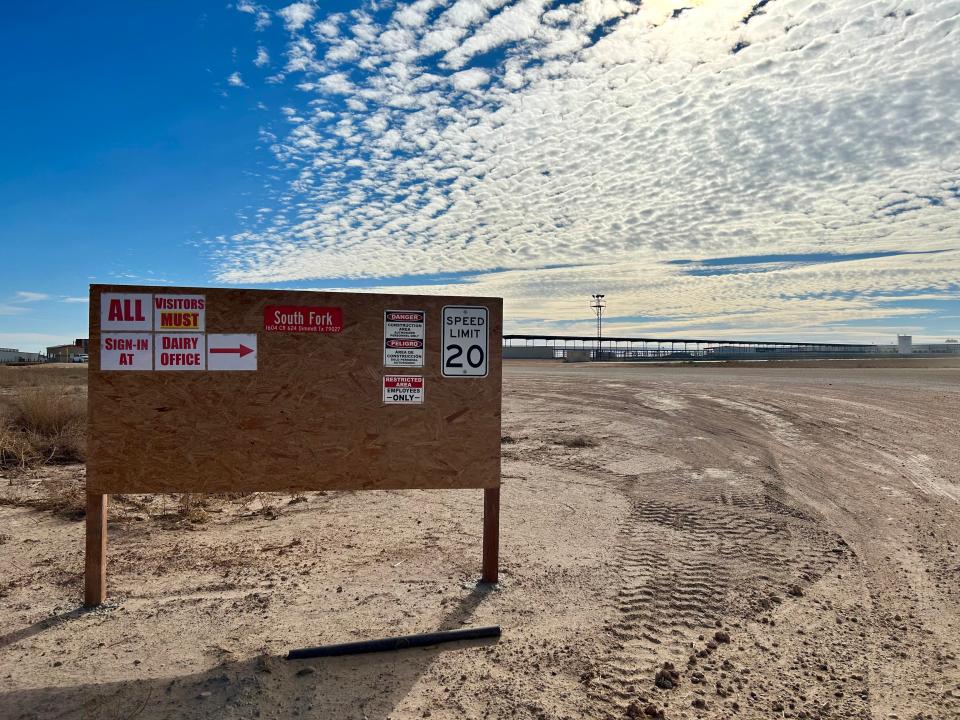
[[222, 390]]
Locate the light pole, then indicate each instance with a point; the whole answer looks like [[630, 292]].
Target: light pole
[[598, 304]]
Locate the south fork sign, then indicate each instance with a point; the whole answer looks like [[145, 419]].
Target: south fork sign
[[203, 390]]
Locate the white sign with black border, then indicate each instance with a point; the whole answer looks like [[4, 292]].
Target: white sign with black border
[[403, 338], [403, 389], [465, 341]]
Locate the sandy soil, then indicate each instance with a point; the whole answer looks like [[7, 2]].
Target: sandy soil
[[786, 537]]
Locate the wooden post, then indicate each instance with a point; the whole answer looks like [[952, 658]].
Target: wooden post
[[95, 577], [491, 535]]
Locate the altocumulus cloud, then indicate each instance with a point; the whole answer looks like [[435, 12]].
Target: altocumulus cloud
[[549, 150]]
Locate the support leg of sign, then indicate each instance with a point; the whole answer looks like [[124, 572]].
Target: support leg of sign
[[95, 574], [491, 535]]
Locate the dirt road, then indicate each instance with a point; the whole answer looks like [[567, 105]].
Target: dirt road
[[716, 542]]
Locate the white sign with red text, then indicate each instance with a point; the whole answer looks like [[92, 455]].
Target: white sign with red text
[[403, 389], [126, 311], [179, 351], [179, 313], [231, 352], [403, 338], [126, 351]]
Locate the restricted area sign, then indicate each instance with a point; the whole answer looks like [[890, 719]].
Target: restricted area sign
[[403, 389], [465, 340]]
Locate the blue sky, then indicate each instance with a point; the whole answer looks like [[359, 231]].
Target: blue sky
[[806, 186]]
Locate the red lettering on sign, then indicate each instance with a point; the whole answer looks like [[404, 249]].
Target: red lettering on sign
[[179, 359], [179, 303], [298, 318], [392, 382], [405, 317], [404, 343], [179, 320], [117, 344], [179, 343], [121, 311]]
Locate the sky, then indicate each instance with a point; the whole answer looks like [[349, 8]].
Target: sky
[[781, 169]]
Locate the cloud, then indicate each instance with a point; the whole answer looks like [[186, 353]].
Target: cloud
[[235, 80], [297, 15], [470, 79], [615, 137], [262, 58], [28, 296], [18, 304], [517, 22], [258, 11]]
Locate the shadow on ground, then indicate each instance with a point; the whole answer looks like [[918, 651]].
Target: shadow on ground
[[362, 686]]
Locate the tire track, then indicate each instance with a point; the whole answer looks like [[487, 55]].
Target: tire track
[[686, 566]]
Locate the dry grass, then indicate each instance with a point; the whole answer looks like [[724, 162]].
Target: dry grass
[[61, 491], [193, 507], [42, 375], [64, 496], [45, 423], [15, 446]]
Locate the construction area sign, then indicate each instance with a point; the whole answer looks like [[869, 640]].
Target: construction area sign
[[225, 390], [404, 336]]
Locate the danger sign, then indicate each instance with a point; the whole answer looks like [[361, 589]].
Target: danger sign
[[297, 318], [403, 389], [179, 313], [465, 341], [403, 338]]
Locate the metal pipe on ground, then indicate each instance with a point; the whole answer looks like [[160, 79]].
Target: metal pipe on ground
[[396, 643]]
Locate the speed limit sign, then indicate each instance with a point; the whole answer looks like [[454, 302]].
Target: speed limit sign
[[465, 341]]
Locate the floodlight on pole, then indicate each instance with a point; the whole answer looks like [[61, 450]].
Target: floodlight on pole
[[598, 304]]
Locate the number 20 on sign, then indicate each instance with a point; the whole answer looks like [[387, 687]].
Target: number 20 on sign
[[465, 340]]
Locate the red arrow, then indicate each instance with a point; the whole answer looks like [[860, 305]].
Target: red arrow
[[242, 350]]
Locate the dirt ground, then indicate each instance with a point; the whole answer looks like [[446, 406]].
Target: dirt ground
[[681, 542]]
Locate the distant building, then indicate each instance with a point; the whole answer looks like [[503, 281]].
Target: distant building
[[937, 348], [12, 355], [77, 352], [906, 346]]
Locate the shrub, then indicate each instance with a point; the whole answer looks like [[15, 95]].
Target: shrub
[[192, 507], [64, 496], [15, 447], [46, 423]]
